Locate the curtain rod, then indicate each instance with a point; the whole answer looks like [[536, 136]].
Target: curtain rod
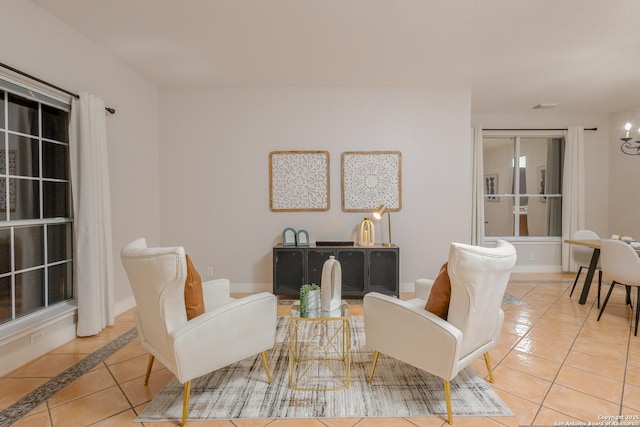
[[593, 129], [75, 95]]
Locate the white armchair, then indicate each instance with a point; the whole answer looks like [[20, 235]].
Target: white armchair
[[479, 277], [228, 331]]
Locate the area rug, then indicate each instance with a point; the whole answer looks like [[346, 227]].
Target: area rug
[[398, 390]]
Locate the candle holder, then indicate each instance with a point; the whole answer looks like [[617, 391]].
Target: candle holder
[[629, 148], [367, 232]]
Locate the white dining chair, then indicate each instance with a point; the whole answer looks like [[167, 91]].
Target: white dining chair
[[582, 255], [621, 265]]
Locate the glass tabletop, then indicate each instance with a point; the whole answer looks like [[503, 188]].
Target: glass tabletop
[[338, 313]]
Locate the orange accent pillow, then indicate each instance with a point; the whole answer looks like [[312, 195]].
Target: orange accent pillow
[[193, 298], [438, 302]]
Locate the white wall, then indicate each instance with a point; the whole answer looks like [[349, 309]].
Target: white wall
[[546, 256], [38, 43], [214, 175], [206, 187], [623, 202]]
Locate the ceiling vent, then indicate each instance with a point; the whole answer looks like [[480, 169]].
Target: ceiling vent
[[546, 105]]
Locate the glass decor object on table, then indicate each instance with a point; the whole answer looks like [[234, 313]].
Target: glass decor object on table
[[319, 344]]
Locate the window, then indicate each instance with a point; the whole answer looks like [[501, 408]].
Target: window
[[523, 198], [35, 202]]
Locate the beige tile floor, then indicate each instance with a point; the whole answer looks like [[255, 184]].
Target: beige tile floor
[[555, 363]]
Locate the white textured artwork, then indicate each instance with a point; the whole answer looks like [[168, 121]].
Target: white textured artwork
[[299, 180], [370, 179], [12, 182]]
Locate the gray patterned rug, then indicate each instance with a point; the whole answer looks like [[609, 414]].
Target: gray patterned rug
[[398, 390]]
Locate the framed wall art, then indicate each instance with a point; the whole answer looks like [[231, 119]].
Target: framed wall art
[[542, 182], [371, 179], [298, 181], [491, 188], [11, 203]]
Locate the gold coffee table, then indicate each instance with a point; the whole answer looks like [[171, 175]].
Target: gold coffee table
[[319, 344]]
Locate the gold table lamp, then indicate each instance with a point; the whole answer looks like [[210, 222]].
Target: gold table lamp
[[378, 215]]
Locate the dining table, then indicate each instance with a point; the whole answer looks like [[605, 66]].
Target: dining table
[[595, 245]]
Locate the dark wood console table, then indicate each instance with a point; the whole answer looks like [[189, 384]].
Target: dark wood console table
[[364, 268]]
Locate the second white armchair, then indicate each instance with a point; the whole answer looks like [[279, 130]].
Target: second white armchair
[[479, 277]]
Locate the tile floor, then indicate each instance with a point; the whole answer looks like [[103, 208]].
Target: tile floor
[[555, 363]]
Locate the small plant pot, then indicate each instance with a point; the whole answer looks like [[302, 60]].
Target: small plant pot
[[310, 298], [314, 300]]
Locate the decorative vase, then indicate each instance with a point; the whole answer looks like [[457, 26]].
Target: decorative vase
[[367, 232], [331, 285]]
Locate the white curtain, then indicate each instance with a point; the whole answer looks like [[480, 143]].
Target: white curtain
[[93, 267], [573, 192], [477, 207]]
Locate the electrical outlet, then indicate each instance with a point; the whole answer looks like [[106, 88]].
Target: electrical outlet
[[531, 256], [36, 337], [210, 271]]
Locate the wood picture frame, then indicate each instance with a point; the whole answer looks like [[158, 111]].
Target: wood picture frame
[[289, 237], [371, 179], [298, 181], [302, 238]]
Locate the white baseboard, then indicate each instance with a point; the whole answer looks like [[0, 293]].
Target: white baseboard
[[537, 269], [125, 305], [40, 340]]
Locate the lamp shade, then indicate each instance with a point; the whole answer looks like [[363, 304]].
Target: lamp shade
[[380, 212]]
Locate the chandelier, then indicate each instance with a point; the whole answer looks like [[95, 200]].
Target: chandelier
[[628, 147]]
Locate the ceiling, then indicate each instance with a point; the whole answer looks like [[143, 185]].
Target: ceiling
[[512, 54]]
